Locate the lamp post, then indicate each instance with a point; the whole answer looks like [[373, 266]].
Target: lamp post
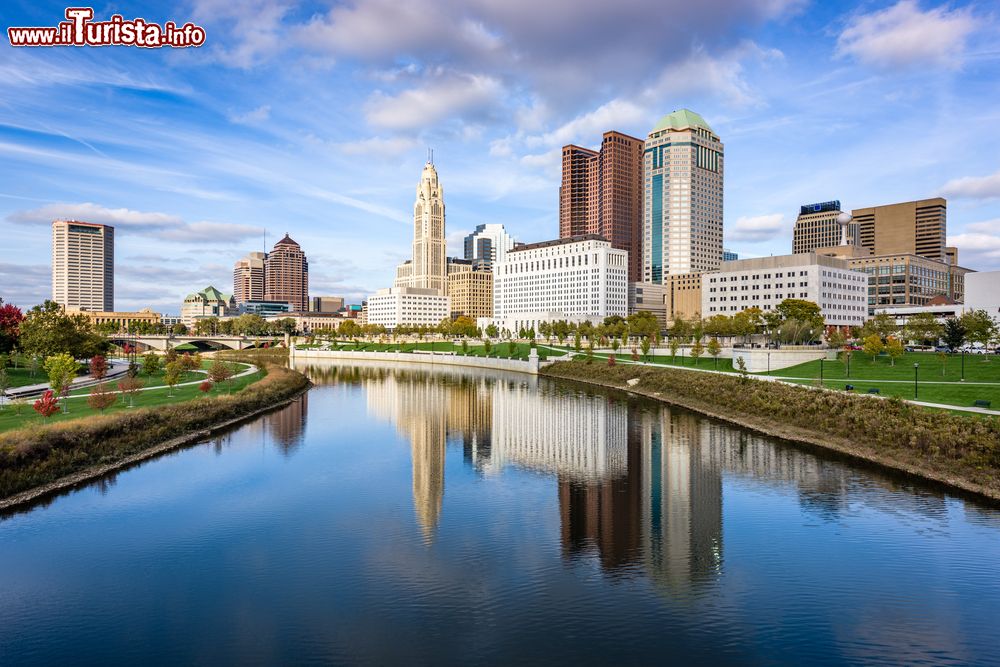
[[916, 367], [821, 372], [848, 363], [768, 363], [963, 366]]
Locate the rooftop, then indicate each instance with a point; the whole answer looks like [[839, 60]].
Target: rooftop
[[563, 241], [680, 120]]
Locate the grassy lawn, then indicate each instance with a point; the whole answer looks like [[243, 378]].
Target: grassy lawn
[[20, 376], [78, 407], [949, 394]]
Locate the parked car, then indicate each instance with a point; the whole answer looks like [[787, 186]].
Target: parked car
[[942, 348]]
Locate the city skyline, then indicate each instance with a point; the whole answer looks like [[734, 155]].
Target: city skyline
[[210, 146]]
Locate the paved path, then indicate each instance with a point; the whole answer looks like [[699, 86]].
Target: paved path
[[116, 368]]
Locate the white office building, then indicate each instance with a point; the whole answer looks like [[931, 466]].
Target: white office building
[[982, 292], [407, 306], [764, 282], [577, 278]]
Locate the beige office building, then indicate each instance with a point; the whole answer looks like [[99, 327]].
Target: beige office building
[[817, 227], [121, 320], [427, 268], [682, 296], [908, 228], [83, 265], [286, 275], [648, 297], [682, 207], [471, 293], [209, 302], [248, 278]]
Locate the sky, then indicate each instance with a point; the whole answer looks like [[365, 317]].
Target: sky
[[314, 119]]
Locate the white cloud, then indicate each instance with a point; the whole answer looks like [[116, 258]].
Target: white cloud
[[588, 128], [905, 36], [973, 187], [250, 30], [756, 228], [258, 115], [378, 146], [979, 245], [441, 98]]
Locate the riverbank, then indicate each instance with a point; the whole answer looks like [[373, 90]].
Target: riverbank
[[960, 453], [530, 365], [39, 460]]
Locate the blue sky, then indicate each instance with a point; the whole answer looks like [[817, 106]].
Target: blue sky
[[314, 119]]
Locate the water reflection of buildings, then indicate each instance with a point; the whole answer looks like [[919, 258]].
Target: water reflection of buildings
[[288, 424]]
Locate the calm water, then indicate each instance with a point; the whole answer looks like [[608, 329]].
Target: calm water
[[463, 518]]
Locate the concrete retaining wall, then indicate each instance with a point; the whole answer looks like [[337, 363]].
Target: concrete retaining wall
[[760, 361], [530, 366]]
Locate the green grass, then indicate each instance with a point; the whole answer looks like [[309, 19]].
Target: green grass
[[78, 407], [21, 376]]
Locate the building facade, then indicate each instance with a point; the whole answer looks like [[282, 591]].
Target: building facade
[[407, 306], [326, 304], [648, 297], [471, 293], [286, 275], [601, 193], [909, 280], [582, 277], [209, 302], [982, 292], [908, 228], [817, 227], [264, 308], [682, 206], [487, 245], [83, 265], [765, 282], [682, 297], [427, 268], [248, 277], [729, 255], [120, 320]]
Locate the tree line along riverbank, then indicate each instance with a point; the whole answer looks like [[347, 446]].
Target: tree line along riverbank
[[51, 456], [954, 450]]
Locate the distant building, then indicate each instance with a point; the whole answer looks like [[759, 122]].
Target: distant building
[[83, 265], [264, 308], [817, 227], [682, 298], [122, 320], [648, 297], [601, 193], [471, 293], [209, 302], [909, 228], [287, 274], [326, 304], [426, 268], [729, 255], [407, 306], [487, 244], [982, 292], [170, 320], [248, 277], [682, 206], [578, 278], [310, 322], [764, 282]]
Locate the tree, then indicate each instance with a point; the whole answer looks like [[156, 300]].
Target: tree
[[101, 397], [643, 324], [34, 364], [4, 385], [220, 372], [715, 349], [205, 386], [697, 350], [129, 386], [511, 348], [873, 345], [150, 363], [882, 324], [718, 325], [772, 322], [590, 350], [801, 310], [487, 346], [894, 348], [98, 367], [47, 405], [645, 345], [171, 356], [61, 369], [680, 328], [172, 374], [836, 339], [944, 361], [577, 343], [465, 346], [924, 328], [205, 326], [491, 331], [463, 326], [179, 329], [674, 344], [744, 324], [46, 331], [953, 333], [979, 327], [10, 326]]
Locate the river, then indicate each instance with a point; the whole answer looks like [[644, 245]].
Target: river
[[416, 516]]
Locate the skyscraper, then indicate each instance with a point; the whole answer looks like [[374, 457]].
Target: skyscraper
[[248, 278], [83, 265], [429, 250], [817, 227], [487, 245], [913, 227], [601, 193], [682, 210], [286, 275]]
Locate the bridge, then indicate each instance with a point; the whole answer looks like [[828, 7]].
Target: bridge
[[202, 343]]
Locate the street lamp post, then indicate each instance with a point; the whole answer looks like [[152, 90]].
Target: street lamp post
[[821, 372], [916, 367], [848, 364], [963, 366]]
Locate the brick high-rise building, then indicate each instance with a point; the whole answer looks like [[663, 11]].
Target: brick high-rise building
[[601, 193], [286, 275], [83, 265], [248, 278]]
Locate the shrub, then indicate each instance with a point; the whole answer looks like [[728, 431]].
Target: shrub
[[98, 367], [101, 397], [205, 386], [47, 405]]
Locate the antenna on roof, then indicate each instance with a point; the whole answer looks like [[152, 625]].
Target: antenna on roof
[[430, 155]]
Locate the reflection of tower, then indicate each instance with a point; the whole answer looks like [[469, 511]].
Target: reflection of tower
[[682, 513], [288, 424], [605, 514], [427, 451]]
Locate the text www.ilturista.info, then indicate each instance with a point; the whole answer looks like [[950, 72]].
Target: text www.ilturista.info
[[80, 30]]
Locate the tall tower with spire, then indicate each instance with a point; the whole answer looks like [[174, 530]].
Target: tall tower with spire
[[429, 247]]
